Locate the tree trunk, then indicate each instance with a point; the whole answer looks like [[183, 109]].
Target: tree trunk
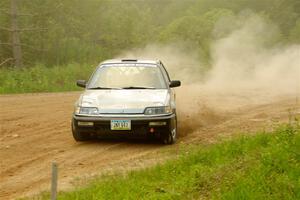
[[16, 44]]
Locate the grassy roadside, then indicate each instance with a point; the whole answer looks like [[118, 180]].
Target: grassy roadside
[[264, 166], [43, 79]]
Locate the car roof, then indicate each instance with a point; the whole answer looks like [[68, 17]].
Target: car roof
[[126, 61]]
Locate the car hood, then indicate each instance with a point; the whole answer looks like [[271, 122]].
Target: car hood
[[124, 100]]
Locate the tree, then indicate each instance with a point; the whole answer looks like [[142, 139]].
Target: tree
[[16, 43], [14, 32]]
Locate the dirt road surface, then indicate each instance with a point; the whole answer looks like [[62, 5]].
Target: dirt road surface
[[35, 130]]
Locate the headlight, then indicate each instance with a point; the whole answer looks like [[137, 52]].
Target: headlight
[[158, 110], [86, 110]]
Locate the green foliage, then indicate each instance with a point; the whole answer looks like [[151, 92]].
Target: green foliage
[[197, 29], [295, 33], [83, 32], [43, 79], [264, 166]]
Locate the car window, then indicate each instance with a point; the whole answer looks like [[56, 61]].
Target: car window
[[128, 75]]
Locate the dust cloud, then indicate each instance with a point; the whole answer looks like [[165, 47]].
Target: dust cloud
[[245, 69]]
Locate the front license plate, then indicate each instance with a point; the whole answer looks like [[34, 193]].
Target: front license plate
[[120, 125]]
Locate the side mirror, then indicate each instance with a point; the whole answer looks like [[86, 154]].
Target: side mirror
[[81, 83], [175, 83]]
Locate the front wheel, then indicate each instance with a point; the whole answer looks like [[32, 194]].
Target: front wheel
[[170, 136], [77, 135]]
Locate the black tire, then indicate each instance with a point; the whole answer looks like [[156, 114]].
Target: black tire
[[170, 136], [77, 135]]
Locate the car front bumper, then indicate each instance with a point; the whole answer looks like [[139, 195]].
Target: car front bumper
[[140, 126]]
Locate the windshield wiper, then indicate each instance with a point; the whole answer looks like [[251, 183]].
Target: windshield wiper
[[138, 87], [103, 88]]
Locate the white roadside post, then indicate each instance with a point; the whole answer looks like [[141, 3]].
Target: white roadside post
[[54, 181]]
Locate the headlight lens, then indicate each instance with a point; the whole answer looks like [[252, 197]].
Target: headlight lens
[[158, 110], [86, 110]]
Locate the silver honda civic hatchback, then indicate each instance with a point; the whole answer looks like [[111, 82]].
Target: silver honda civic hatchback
[[127, 98]]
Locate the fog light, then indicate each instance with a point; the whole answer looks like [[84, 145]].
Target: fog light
[[85, 123], [157, 123]]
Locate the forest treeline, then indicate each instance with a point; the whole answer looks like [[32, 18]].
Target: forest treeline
[[56, 32]]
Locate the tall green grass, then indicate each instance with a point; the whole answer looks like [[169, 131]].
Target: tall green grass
[[264, 166], [43, 79]]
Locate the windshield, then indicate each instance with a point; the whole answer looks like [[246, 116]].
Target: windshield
[[127, 76]]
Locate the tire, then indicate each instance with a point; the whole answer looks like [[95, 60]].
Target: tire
[[77, 135], [170, 136]]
